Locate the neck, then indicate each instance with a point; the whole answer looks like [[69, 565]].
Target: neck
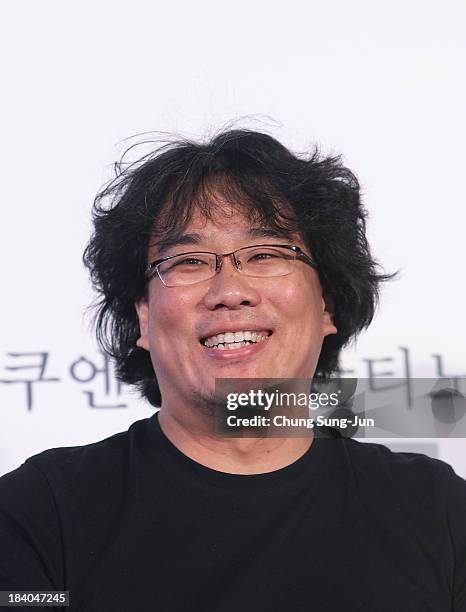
[[193, 434]]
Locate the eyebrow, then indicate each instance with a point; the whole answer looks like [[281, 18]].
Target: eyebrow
[[269, 232], [177, 240], [193, 239]]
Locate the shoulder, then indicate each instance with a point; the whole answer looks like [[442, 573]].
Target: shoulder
[[94, 458], [406, 471], [58, 489], [380, 459], [57, 497], [69, 472], [419, 497], [426, 489]]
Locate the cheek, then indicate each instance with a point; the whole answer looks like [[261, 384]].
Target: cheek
[[297, 302], [171, 321], [299, 306]]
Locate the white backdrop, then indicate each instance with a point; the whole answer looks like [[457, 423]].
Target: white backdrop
[[381, 83]]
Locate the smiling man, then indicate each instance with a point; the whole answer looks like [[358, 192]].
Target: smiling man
[[232, 259], [240, 302]]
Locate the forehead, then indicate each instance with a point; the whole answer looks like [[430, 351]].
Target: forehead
[[231, 222], [224, 226], [220, 217]]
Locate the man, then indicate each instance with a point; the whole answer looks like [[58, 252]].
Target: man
[[232, 259]]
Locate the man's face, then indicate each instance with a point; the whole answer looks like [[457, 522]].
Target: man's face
[[287, 312]]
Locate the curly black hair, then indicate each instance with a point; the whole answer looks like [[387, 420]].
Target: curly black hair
[[312, 194]]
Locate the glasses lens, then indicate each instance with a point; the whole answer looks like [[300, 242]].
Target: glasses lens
[[187, 269], [266, 261]]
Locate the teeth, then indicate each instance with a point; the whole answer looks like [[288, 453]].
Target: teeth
[[235, 345], [233, 340]]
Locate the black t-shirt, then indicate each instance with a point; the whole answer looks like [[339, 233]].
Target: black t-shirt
[[130, 523]]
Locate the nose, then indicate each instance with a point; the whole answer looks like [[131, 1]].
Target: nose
[[230, 289]]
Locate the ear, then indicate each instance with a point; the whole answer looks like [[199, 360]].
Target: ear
[[142, 308], [328, 326]]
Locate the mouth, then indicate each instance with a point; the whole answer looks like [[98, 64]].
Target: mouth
[[235, 340]]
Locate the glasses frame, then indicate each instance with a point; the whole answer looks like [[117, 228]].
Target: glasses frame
[[154, 265]]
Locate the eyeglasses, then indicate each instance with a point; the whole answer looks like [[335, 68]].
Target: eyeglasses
[[260, 260]]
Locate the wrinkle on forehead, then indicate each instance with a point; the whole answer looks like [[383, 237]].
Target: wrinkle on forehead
[[221, 202]]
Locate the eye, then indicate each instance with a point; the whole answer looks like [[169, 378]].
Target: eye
[[190, 261], [186, 263], [265, 255]]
